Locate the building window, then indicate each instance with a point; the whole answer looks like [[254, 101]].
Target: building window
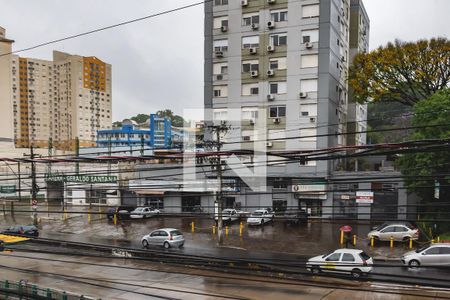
[[221, 45], [278, 39], [308, 85], [220, 91], [250, 42], [279, 15], [310, 11], [249, 113], [220, 2], [249, 19], [277, 111], [310, 61], [250, 89], [220, 69], [310, 36], [277, 87], [220, 21], [278, 63], [220, 114], [250, 65]]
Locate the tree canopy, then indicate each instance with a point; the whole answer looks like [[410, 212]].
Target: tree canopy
[[432, 111], [400, 71]]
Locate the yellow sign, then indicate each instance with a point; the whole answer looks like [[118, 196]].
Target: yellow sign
[[11, 239]]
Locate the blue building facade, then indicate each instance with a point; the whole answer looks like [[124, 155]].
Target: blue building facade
[[158, 134]]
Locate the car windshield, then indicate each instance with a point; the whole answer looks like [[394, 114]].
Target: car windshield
[[422, 249], [327, 254], [364, 256], [175, 233], [226, 212], [139, 209], [257, 213]]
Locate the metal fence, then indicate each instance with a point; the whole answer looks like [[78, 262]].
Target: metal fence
[[25, 290]]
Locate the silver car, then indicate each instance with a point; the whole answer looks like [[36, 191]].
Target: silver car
[[400, 232], [432, 255], [167, 237]]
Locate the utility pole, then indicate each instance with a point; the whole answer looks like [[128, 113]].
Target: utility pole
[[34, 187], [20, 181], [218, 129]]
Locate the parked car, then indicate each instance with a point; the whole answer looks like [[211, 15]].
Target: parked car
[[353, 261], [398, 231], [27, 230], [385, 224], [260, 217], [2, 246], [167, 237], [229, 215], [432, 255], [123, 212], [143, 212], [294, 216]]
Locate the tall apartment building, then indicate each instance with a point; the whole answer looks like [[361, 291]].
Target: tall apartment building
[[60, 100], [290, 58], [6, 118], [359, 43]]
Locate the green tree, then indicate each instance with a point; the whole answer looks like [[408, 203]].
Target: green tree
[[140, 118], [433, 111], [403, 72], [177, 120]]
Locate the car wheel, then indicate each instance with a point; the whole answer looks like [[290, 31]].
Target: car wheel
[[145, 243], [262, 222], [356, 273], [166, 245], [414, 263], [315, 270], [406, 239]]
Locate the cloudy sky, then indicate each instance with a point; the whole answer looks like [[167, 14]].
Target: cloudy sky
[[158, 63]]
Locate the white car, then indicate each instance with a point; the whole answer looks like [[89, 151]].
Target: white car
[[229, 215], [431, 255], [399, 232], [353, 261], [143, 212], [260, 217]]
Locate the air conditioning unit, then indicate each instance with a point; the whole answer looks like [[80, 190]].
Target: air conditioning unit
[[303, 95], [219, 53], [251, 122], [270, 72], [308, 45], [254, 73], [276, 121], [271, 24], [244, 2], [312, 119], [255, 26], [271, 1], [269, 144], [252, 50], [342, 58], [270, 97], [219, 77], [224, 28], [270, 48], [246, 138]]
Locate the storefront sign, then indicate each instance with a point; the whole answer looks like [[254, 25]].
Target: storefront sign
[[80, 178], [307, 188], [364, 197], [7, 189]]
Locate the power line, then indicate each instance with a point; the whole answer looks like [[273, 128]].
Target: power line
[[107, 27]]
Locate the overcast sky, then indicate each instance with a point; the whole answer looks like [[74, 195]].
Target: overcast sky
[[158, 63]]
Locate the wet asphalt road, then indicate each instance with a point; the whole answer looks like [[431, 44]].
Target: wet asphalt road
[[272, 242]]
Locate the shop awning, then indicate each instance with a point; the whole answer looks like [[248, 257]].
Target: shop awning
[[149, 192]]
